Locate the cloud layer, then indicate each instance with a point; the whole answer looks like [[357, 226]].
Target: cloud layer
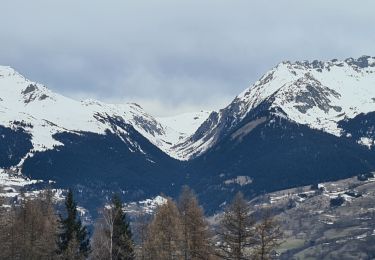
[[174, 56]]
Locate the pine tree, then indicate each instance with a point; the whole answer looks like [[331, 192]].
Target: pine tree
[[123, 246], [72, 251], [72, 229], [236, 232]]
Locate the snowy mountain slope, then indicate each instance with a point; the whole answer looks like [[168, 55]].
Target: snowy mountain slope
[[301, 123], [316, 94], [43, 113], [185, 124]]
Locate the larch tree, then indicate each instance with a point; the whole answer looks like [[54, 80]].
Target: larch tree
[[268, 236], [164, 241], [141, 231], [32, 229], [195, 230], [236, 230], [46, 226], [9, 237]]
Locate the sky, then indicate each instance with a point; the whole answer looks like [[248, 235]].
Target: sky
[[174, 56]]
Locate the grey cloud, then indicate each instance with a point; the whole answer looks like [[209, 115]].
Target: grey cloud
[[167, 54]]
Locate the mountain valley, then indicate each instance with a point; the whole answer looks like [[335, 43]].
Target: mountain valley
[[302, 123]]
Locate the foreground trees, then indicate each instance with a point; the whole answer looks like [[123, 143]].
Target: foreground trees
[[181, 232], [113, 238], [241, 237], [236, 231], [31, 229], [123, 245], [178, 231], [73, 241], [196, 243], [268, 236], [164, 236]]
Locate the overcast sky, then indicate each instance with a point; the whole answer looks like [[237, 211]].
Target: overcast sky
[[173, 56]]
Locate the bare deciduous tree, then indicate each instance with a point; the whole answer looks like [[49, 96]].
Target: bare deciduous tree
[[30, 230], [102, 241], [268, 236], [165, 237], [196, 237], [112, 238], [141, 234], [236, 231]]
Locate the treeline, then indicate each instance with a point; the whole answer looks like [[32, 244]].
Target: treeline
[[32, 229]]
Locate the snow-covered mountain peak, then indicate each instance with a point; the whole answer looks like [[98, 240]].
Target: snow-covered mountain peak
[[48, 113], [318, 94], [316, 91], [6, 71], [359, 63], [326, 92]]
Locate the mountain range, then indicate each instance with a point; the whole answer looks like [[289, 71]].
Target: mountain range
[[301, 123]]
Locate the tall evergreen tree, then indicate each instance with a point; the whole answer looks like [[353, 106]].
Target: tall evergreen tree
[[123, 246], [72, 230]]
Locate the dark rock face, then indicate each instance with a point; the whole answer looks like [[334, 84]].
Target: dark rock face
[[31, 93], [314, 94], [361, 62], [151, 127], [29, 89], [43, 97]]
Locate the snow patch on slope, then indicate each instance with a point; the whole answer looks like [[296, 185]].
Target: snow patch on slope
[[185, 124], [147, 206]]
